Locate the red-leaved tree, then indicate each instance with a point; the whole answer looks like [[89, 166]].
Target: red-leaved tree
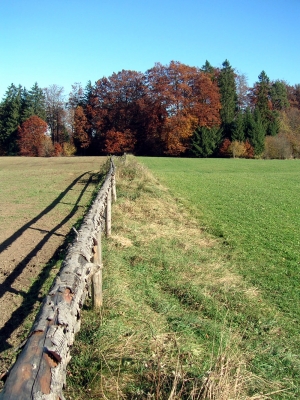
[[224, 148], [117, 142], [81, 137], [32, 136]]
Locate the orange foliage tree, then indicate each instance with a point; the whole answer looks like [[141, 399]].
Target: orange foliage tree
[[189, 99], [161, 109], [32, 136], [116, 105], [80, 134], [249, 150], [117, 142], [224, 148]]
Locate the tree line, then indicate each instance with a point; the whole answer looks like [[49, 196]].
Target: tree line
[[170, 110]]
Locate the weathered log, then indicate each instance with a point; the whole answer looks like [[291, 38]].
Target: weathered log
[[40, 370]]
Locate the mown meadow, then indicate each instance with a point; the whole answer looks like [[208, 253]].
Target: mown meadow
[[254, 206], [41, 199], [201, 279]]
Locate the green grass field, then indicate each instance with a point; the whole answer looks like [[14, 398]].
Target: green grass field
[[200, 285], [254, 206]]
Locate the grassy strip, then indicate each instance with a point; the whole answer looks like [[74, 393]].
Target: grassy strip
[[178, 321]]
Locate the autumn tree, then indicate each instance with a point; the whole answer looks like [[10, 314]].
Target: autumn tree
[[224, 148], [236, 149], [206, 107], [161, 108], [297, 95], [119, 142], [186, 98], [80, 135], [55, 112], [76, 96], [32, 135], [242, 90], [289, 127], [278, 147], [116, 103]]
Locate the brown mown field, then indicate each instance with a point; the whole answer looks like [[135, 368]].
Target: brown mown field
[[40, 200]]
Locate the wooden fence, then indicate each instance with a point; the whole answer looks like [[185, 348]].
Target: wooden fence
[[40, 370]]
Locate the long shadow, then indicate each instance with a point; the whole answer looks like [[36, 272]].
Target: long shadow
[[30, 297], [7, 242]]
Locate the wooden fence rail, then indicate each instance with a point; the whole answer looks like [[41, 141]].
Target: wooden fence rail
[[40, 370]]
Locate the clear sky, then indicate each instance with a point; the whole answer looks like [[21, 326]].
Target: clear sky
[[66, 41]]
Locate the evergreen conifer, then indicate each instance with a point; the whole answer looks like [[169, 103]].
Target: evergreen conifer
[[229, 100]]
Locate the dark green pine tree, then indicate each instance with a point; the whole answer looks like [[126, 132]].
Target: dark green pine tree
[[269, 99], [205, 141], [207, 68], [36, 101], [249, 124], [255, 131], [263, 98], [273, 124], [258, 140], [279, 96], [229, 99], [10, 116], [25, 105], [238, 129], [33, 103], [88, 90]]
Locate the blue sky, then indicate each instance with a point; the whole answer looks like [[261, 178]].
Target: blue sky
[[66, 41]]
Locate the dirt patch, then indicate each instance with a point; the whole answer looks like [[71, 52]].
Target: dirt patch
[[48, 197]]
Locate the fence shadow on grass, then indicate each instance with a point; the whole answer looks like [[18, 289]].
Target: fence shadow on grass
[[31, 296]]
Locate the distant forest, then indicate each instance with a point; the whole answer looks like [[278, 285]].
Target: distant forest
[[170, 110]]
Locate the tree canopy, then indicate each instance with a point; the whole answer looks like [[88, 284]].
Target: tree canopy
[[171, 110]]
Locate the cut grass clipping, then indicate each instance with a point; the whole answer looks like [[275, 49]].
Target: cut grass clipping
[[173, 324]]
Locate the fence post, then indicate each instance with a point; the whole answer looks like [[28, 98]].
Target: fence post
[[97, 277], [108, 213], [113, 187]]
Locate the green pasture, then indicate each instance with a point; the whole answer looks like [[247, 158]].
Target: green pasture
[[254, 207], [199, 297]]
